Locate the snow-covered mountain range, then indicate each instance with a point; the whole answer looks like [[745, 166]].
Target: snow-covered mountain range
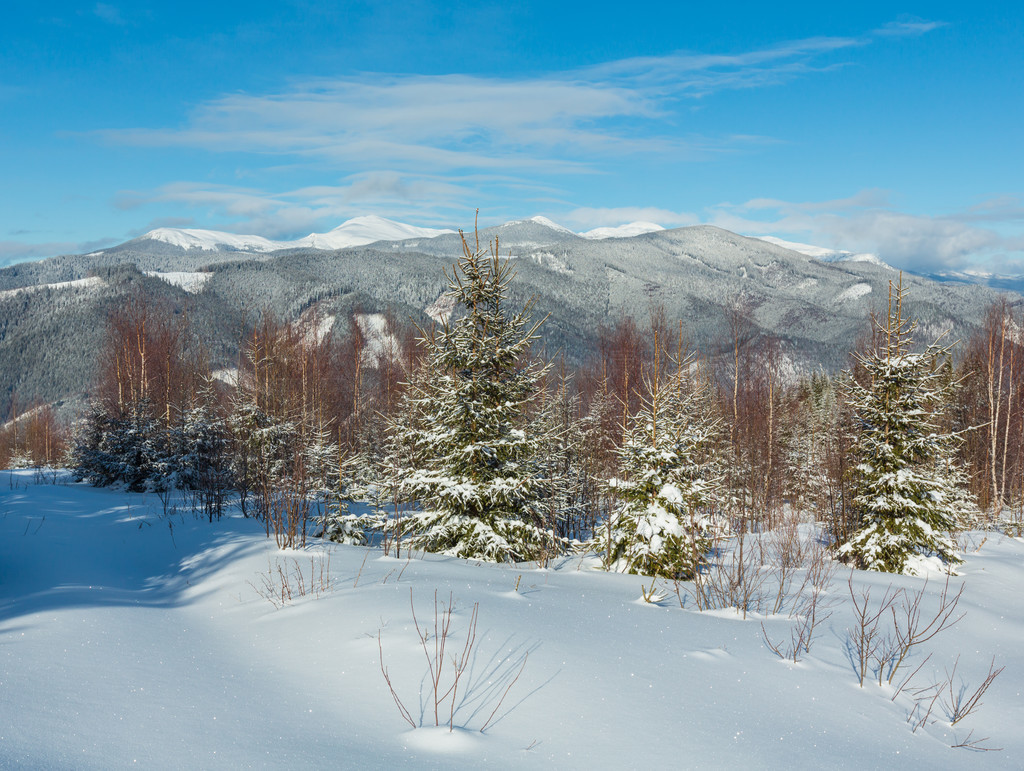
[[358, 231], [817, 301], [371, 229]]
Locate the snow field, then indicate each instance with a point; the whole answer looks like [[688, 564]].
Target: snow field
[[128, 637]]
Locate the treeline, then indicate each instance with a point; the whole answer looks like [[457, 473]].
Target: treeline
[[317, 412]]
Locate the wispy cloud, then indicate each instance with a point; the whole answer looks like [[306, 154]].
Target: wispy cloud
[[12, 252], [426, 124], [910, 27], [1003, 209], [296, 212], [555, 124], [232, 201], [109, 14], [430, 148], [585, 218], [699, 75]]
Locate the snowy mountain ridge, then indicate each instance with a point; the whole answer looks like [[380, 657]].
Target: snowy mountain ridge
[[824, 253], [818, 307], [369, 229], [357, 231], [628, 230]]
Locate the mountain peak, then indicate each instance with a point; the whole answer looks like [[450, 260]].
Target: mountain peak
[[363, 230], [209, 240], [550, 224]]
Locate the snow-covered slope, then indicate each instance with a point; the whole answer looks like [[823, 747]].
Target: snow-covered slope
[[543, 222], [360, 231], [354, 232], [131, 637], [364, 230], [620, 231], [824, 253], [211, 240], [78, 283], [623, 231], [191, 282]]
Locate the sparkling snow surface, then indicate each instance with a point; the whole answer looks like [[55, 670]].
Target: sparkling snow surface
[[131, 638]]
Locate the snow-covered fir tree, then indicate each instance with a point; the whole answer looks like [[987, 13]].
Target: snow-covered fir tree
[[474, 471], [364, 476], [337, 480], [335, 520], [401, 450], [907, 494], [129, 448], [812, 437], [599, 429], [572, 490], [263, 448], [321, 460], [202, 461], [665, 521]]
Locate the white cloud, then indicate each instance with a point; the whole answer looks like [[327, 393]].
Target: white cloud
[[703, 74], [865, 222], [1004, 208], [910, 27], [12, 252], [417, 122], [108, 13], [430, 149], [297, 212], [585, 218], [553, 124], [864, 198]]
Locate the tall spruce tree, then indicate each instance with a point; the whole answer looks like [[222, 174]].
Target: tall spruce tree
[[474, 470], [665, 521], [908, 494], [571, 489], [202, 460]]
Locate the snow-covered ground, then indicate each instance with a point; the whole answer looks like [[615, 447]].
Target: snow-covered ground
[[852, 293], [191, 282], [78, 283], [131, 637]]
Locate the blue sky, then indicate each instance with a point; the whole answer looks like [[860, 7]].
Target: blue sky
[[865, 126]]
